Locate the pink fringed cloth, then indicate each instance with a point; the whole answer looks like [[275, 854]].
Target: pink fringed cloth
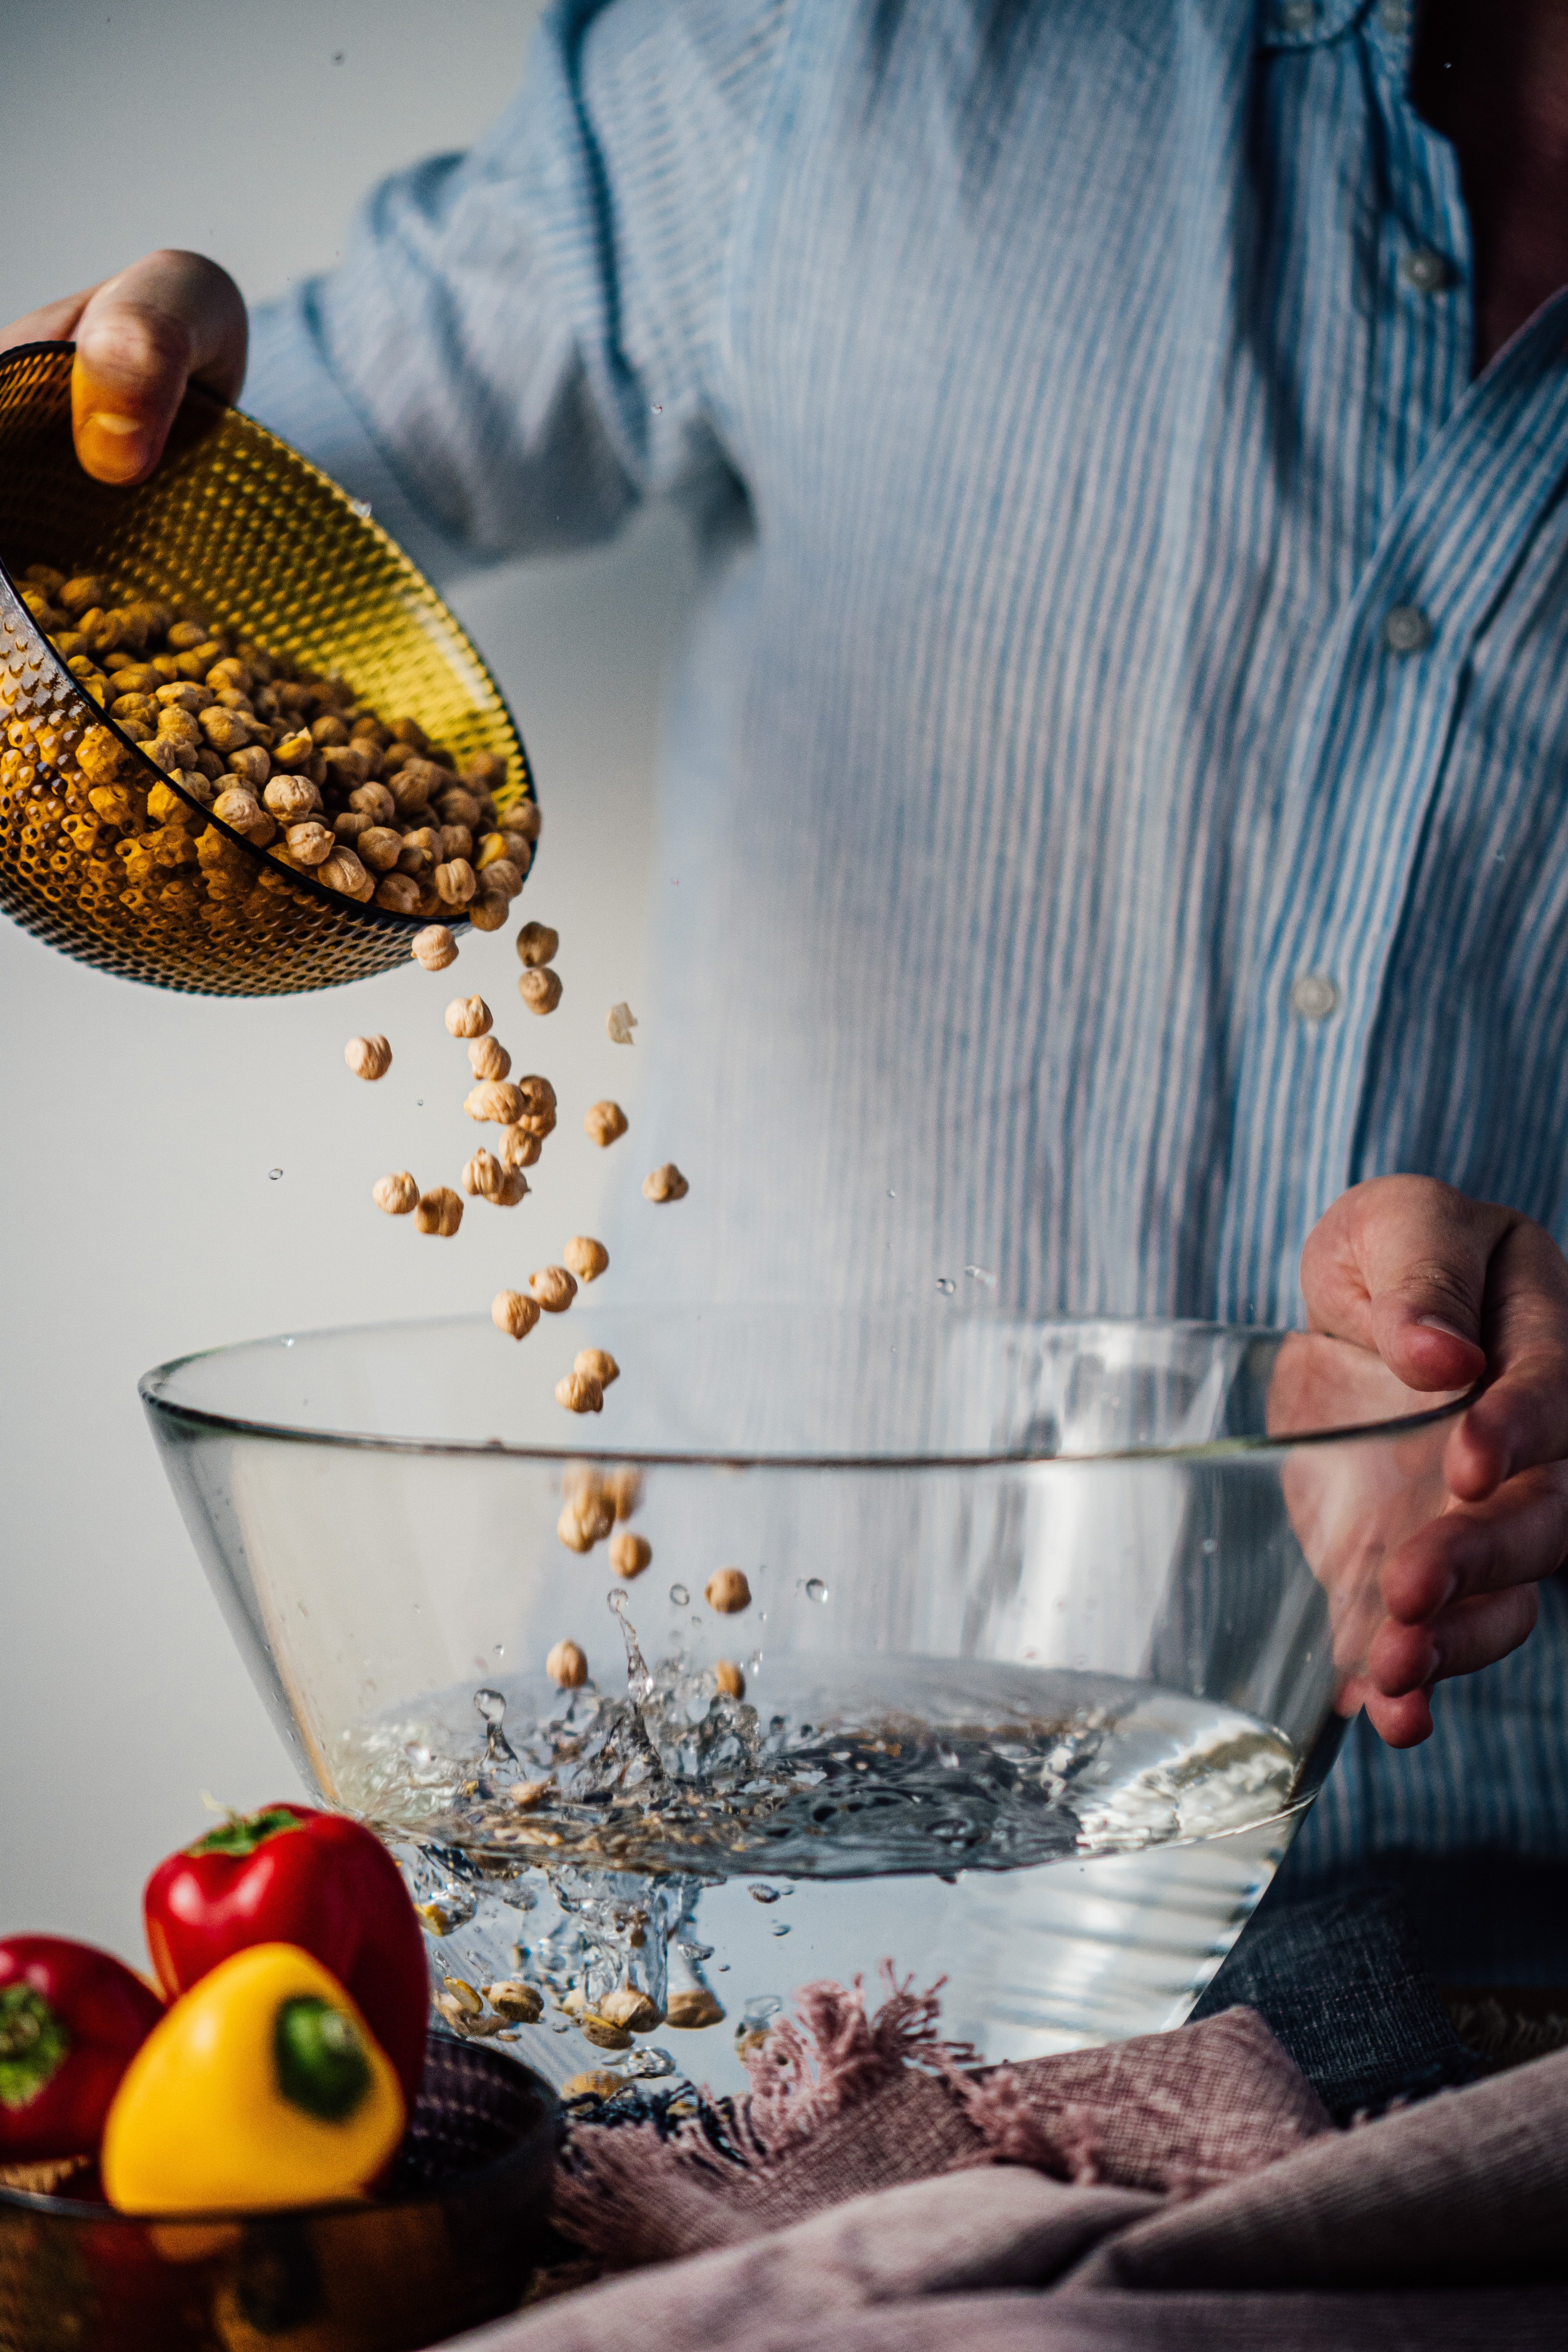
[[878, 2192]]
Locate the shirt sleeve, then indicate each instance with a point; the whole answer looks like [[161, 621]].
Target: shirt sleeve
[[524, 340]]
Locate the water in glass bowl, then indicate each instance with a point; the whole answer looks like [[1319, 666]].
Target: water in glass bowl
[[1075, 1853]]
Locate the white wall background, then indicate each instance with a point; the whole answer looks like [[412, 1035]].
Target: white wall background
[[137, 1218]]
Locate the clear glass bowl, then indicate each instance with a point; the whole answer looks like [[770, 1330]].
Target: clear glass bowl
[[1044, 1632]]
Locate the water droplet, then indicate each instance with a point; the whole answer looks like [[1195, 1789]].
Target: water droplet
[[814, 1589], [288, 1343], [1209, 1545], [273, 1175], [892, 1194], [981, 1274], [559, 2025], [420, 1104], [679, 1595], [779, 1927], [946, 1285], [644, 2063], [761, 2008], [762, 1893], [501, 1649], [492, 1705], [695, 1952]]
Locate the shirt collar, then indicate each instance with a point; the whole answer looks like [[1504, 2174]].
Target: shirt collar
[[1306, 24]]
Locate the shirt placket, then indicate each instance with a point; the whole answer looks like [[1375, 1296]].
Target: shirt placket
[[1454, 477]]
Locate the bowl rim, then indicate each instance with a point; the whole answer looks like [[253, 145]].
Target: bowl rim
[[544, 2130], [162, 1408], [198, 395]]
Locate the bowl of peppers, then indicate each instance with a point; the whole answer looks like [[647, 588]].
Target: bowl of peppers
[[263, 2145]]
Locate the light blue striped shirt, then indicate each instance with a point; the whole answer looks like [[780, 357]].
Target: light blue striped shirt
[[1118, 778]]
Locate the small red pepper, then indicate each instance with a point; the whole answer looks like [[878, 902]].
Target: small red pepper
[[71, 2020], [290, 1875]]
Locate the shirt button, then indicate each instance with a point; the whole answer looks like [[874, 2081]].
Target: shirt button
[[1313, 996], [1425, 269], [1406, 629]]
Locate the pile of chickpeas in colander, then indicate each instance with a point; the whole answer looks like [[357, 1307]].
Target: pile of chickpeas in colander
[[298, 767]]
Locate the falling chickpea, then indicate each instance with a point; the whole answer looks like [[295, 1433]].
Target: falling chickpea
[[587, 1257], [629, 1555], [586, 1519], [567, 1665], [487, 1058], [368, 1057], [580, 1392], [729, 1679], [666, 1184], [513, 1313], [494, 1098], [554, 1288], [605, 1123], [433, 947], [517, 1147], [484, 1176], [398, 1195], [619, 1023], [689, 2011], [537, 944], [468, 1016], [599, 1364], [728, 1591], [540, 989], [439, 1212]]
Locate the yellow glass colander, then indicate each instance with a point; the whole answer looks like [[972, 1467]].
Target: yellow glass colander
[[240, 526]]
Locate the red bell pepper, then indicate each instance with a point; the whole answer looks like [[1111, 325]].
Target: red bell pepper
[[71, 2020], [290, 1875]]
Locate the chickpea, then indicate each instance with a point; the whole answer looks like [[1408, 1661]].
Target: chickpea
[[629, 1555], [518, 1148], [540, 989], [433, 947], [311, 843], [537, 944], [567, 1665], [605, 1123], [600, 1363], [484, 1175], [369, 1058], [493, 1099], [619, 1023], [554, 1288], [396, 892], [689, 2011], [587, 1257], [455, 882], [291, 799], [729, 1679], [514, 1313], [487, 1058], [488, 912], [438, 1211], [343, 871], [580, 1392], [666, 1184], [468, 1016], [397, 1195], [728, 1591]]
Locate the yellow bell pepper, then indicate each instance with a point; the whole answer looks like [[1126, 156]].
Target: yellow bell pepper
[[262, 2087]]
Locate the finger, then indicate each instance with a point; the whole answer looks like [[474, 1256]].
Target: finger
[[1461, 1640], [1523, 1419], [1402, 1722], [55, 323], [1399, 1264], [1518, 1537], [140, 339]]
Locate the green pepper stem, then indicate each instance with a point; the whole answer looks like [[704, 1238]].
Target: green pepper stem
[[320, 2059], [34, 2044], [243, 1832]]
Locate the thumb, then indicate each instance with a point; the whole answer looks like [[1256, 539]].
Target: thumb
[[1400, 1263], [140, 339]]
